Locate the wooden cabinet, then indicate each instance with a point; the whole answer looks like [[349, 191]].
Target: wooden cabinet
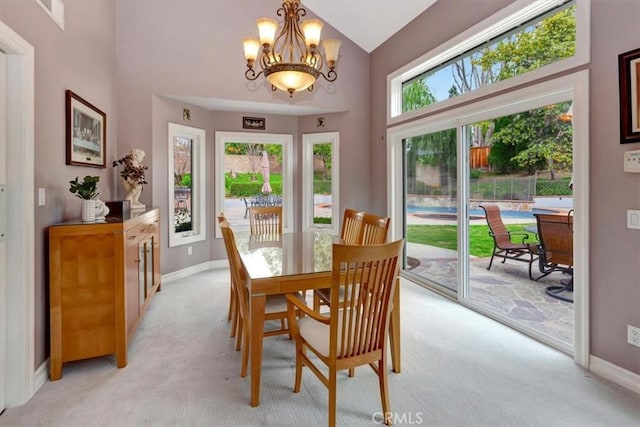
[[101, 280]]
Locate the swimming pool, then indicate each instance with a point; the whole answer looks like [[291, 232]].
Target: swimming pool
[[477, 212]]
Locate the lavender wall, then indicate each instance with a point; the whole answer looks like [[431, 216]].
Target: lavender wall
[[614, 250], [193, 48], [81, 58]]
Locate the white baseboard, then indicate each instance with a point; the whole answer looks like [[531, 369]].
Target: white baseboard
[[185, 272], [41, 376], [615, 373]]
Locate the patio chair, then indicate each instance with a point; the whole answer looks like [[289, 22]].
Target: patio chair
[[508, 244], [555, 250], [354, 333]]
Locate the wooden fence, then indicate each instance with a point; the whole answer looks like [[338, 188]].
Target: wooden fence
[[479, 157]]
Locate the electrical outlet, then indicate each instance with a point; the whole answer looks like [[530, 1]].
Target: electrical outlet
[[633, 335], [189, 250]]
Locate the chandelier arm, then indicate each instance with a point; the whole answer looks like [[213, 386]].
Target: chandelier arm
[[331, 75], [250, 74]]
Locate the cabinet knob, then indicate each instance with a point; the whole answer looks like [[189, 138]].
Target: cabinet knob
[[132, 237]]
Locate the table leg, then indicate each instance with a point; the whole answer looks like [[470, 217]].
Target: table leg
[[394, 330], [256, 334]]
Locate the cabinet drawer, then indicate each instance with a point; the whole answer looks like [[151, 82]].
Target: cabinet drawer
[[140, 231]]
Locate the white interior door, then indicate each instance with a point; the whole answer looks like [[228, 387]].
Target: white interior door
[[3, 227]]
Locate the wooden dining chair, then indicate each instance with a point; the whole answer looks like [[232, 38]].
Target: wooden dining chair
[[351, 226], [355, 331], [265, 219], [232, 314], [373, 231], [275, 307]]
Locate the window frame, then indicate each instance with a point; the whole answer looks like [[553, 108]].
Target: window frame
[[286, 140], [55, 10], [573, 86], [198, 190], [308, 140], [516, 13]]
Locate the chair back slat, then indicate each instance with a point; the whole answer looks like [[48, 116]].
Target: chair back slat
[[265, 219], [374, 229], [351, 225], [367, 274]]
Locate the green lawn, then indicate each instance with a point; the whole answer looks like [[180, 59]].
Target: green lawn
[[444, 236]]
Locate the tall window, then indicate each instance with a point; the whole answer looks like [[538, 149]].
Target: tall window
[[186, 185], [320, 181], [252, 169], [494, 132], [525, 41]]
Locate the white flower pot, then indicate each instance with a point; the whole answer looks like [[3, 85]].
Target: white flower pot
[[88, 211]]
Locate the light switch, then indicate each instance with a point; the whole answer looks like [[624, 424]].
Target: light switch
[[633, 219], [41, 197]]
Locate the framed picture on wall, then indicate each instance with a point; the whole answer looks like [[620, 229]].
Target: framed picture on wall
[[86, 133], [629, 72]]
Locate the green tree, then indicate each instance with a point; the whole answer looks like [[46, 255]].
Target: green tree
[[534, 140], [323, 153], [551, 39]]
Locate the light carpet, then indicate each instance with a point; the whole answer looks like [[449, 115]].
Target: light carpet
[[458, 369]]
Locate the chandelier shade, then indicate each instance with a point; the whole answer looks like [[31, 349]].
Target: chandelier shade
[[291, 60]]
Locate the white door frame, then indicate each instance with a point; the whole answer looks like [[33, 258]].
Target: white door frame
[[3, 222], [19, 296], [574, 86]]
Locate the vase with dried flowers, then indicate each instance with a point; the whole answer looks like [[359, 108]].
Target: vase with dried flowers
[[132, 176]]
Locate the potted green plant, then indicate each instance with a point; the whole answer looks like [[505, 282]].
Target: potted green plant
[[87, 190]]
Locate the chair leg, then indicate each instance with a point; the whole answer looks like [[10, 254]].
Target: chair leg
[[384, 390], [298, 380], [352, 372], [234, 316], [231, 301], [333, 383], [245, 354], [316, 302], [240, 334], [492, 255]]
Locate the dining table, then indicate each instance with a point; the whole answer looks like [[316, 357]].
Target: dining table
[[287, 263]]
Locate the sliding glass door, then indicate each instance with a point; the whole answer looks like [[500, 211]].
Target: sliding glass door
[[515, 154], [430, 207]]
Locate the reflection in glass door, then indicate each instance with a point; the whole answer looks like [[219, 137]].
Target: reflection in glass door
[[431, 228], [520, 165]]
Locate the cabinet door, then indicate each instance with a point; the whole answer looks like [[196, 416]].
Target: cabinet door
[[142, 274], [148, 266], [132, 293], [156, 259]]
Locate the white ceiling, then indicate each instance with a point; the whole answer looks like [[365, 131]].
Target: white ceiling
[[368, 23]]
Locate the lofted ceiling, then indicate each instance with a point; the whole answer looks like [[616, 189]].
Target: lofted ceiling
[[368, 23]]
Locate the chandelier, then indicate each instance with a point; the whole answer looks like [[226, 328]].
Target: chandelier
[[291, 61]]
